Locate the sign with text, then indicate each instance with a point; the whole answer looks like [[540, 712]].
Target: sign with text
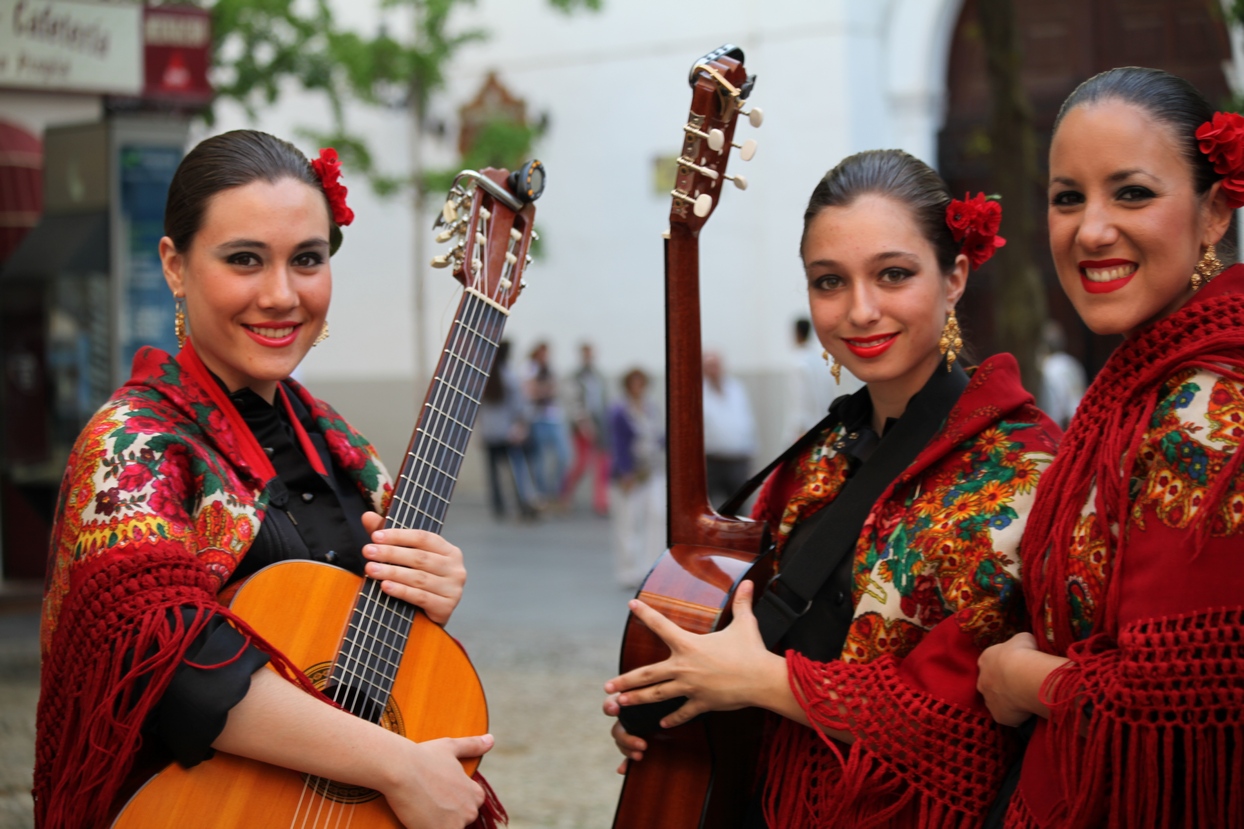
[[178, 41], [71, 46]]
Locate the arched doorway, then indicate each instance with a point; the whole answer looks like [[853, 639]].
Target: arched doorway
[[1063, 42]]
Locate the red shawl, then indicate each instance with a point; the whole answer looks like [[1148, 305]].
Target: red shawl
[[935, 583], [1132, 562]]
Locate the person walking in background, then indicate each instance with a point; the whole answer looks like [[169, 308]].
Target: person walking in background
[[548, 444], [811, 387], [502, 425], [637, 434], [729, 430], [591, 436], [1062, 376]]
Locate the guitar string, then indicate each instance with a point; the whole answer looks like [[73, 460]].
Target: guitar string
[[465, 369]]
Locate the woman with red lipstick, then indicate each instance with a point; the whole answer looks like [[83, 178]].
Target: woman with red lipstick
[[912, 496], [202, 469], [1131, 556]]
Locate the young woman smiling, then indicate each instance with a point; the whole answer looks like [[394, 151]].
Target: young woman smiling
[[1131, 556], [878, 720], [202, 469]]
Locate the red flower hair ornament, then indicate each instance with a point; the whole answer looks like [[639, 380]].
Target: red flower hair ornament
[[975, 221], [1222, 141], [328, 168]]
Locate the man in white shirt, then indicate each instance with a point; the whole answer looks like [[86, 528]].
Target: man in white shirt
[[729, 430]]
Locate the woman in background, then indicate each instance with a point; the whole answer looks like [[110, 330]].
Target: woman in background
[[637, 434]]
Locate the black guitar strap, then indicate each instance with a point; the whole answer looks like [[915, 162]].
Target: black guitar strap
[[832, 532]]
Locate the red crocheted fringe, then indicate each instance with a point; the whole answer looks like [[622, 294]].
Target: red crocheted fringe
[[916, 762], [92, 706], [1158, 741], [491, 814]]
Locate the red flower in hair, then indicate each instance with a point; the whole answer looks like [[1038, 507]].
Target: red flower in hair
[[328, 168], [1222, 141], [975, 221]]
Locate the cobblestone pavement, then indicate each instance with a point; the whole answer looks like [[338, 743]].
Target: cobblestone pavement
[[542, 619]]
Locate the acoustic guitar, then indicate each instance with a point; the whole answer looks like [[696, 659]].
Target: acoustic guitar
[[376, 655], [699, 774]]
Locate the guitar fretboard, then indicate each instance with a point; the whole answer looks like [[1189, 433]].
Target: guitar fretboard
[[376, 639]]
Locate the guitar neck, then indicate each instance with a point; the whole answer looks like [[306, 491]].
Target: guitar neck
[[688, 480], [433, 460]]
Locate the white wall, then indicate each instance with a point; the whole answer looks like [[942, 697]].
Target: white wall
[[834, 77]]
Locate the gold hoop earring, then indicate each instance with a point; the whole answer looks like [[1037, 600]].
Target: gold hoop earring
[[179, 320], [1209, 267], [951, 342], [323, 335]]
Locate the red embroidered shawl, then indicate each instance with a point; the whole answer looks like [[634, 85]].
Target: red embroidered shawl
[[935, 576], [1133, 559], [158, 505]]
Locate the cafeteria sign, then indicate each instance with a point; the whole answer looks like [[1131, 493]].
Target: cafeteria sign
[[71, 46]]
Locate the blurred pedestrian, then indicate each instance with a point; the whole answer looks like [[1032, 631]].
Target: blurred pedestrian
[[637, 434], [811, 387], [549, 446], [729, 430], [1062, 376], [590, 433], [502, 425]]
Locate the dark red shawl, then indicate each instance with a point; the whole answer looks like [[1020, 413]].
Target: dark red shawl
[[1133, 571]]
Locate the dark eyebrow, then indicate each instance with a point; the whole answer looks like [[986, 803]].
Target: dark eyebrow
[[884, 256], [1121, 175], [255, 244]]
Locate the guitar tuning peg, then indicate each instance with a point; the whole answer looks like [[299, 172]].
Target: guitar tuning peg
[[485, 213], [739, 181], [528, 262], [511, 258], [755, 115], [515, 235], [440, 261], [505, 284], [747, 150], [445, 235], [449, 212], [480, 238], [535, 237], [476, 265], [702, 204], [691, 165], [716, 138]]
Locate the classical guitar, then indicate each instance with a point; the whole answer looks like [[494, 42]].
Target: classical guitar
[[699, 774], [376, 655]]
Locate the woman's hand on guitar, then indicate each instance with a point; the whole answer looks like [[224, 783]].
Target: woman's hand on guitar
[[432, 792], [719, 671], [632, 747], [415, 566]]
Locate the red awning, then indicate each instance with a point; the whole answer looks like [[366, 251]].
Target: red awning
[[21, 185]]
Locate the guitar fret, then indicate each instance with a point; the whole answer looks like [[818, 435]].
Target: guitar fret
[[458, 390], [466, 362], [431, 467], [419, 510], [446, 414], [448, 446], [479, 334]]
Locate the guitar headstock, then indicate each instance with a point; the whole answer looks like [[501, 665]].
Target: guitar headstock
[[719, 85], [491, 215]]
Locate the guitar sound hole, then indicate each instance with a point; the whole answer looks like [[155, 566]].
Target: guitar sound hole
[[355, 700]]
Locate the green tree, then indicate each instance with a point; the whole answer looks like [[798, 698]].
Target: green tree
[[261, 47]]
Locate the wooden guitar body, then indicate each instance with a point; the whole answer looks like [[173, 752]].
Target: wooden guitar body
[[699, 775], [303, 609]]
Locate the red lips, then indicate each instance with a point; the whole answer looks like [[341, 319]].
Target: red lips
[[868, 347], [1113, 283]]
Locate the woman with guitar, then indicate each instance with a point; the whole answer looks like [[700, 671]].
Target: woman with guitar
[[919, 483], [202, 469]]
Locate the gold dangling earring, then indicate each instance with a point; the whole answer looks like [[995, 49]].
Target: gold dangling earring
[[323, 335], [951, 342], [1209, 267], [835, 369], [179, 320]]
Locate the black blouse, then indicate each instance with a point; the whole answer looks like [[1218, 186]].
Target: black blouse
[[310, 517]]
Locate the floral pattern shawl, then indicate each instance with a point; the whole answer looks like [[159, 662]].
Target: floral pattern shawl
[[936, 573]]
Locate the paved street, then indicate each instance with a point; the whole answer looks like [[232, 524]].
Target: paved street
[[541, 619]]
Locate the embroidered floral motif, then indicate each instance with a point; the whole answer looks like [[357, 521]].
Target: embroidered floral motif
[[941, 544]]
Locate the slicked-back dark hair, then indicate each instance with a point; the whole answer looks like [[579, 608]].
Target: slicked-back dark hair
[[1168, 99], [902, 177], [222, 162]]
